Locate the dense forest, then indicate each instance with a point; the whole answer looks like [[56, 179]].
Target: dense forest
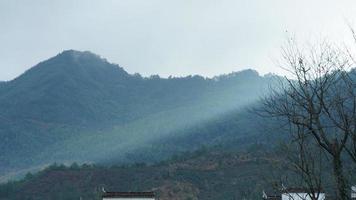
[[78, 107], [204, 174]]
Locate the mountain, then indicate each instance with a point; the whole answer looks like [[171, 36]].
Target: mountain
[[79, 107]]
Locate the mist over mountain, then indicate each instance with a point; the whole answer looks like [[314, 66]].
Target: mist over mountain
[[78, 107]]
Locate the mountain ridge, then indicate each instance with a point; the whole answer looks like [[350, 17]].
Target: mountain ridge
[[76, 55]]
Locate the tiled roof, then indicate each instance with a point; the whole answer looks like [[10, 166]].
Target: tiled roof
[[129, 195], [274, 197]]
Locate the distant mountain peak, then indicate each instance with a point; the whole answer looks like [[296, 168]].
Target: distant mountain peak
[[75, 53], [79, 56], [71, 59], [72, 64]]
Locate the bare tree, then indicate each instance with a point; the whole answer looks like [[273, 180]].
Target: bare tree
[[316, 99], [305, 159], [302, 162]]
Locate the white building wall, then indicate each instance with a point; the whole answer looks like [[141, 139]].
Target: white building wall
[[353, 192], [300, 196]]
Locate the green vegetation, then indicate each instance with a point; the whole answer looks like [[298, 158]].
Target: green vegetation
[[203, 174], [78, 107]]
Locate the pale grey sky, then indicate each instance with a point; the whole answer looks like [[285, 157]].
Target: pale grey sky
[[165, 37]]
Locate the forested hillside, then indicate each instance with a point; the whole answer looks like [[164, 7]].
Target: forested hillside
[[184, 138], [203, 174], [78, 107]]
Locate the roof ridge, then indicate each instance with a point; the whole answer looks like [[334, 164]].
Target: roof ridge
[[145, 194]]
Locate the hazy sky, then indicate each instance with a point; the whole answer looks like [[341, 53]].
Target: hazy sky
[[166, 37]]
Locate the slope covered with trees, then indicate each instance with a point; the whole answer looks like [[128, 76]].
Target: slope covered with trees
[[200, 175], [77, 106]]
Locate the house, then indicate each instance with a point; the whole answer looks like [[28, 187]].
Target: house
[[293, 194], [128, 196], [300, 194]]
